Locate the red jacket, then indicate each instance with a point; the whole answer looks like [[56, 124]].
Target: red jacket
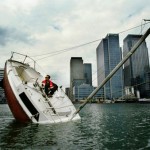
[[50, 83]]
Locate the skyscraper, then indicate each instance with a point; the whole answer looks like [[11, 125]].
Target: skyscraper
[[76, 73], [109, 55], [79, 74], [76, 69], [136, 68]]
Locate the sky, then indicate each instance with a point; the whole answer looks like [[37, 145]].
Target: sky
[[53, 31]]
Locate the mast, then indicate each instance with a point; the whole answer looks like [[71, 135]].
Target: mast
[[129, 54]]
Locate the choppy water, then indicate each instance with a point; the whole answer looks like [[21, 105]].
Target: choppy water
[[103, 127]]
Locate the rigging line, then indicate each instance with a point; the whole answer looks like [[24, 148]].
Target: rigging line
[[70, 48], [52, 55], [133, 28], [67, 49], [100, 73], [142, 27], [97, 69]]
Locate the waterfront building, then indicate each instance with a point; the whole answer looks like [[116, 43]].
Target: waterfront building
[[79, 74], [82, 91], [76, 73], [109, 55], [1, 77], [2, 95], [136, 68]]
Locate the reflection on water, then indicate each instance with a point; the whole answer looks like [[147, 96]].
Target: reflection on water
[[103, 126]]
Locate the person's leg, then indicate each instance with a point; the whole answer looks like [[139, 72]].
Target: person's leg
[[46, 90], [52, 91]]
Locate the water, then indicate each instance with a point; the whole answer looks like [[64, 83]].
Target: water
[[103, 127]]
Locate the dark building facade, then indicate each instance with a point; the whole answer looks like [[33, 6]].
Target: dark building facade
[[2, 94], [1, 77], [88, 73], [82, 91], [76, 73], [136, 68], [79, 74]]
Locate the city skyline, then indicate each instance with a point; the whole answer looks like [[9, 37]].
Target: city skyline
[[111, 43], [109, 54]]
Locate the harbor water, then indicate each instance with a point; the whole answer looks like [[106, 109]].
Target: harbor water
[[102, 127]]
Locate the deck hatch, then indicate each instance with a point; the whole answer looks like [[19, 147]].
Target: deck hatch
[[29, 105]]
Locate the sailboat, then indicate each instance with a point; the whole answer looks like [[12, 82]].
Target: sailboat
[[26, 97]]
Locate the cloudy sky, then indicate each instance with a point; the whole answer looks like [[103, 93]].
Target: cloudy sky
[[49, 30]]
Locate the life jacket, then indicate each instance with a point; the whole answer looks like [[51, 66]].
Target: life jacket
[[50, 83]]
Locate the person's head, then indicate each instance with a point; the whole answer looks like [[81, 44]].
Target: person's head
[[47, 77]]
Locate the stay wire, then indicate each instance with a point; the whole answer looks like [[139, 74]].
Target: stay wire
[[81, 45], [65, 50]]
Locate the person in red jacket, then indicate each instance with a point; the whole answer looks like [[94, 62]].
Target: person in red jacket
[[49, 86]]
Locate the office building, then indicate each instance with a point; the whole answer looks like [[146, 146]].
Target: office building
[[2, 95], [1, 77], [76, 73], [136, 68], [79, 74], [109, 55], [82, 91]]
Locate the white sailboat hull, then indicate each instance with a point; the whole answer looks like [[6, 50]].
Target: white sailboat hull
[[26, 99]]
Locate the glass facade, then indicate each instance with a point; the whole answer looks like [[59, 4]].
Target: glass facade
[[88, 73], [79, 74], [136, 69], [108, 56], [1, 77], [76, 72], [2, 95], [84, 90]]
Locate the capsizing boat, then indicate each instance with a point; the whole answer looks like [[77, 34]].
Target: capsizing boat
[[26, 97]]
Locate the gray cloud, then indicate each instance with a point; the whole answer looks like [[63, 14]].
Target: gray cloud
[[62, 24], [3, 36], [13, 35], [56, 27]]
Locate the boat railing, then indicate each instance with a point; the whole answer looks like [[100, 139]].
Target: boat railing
[[22, 60], [27, 60]]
